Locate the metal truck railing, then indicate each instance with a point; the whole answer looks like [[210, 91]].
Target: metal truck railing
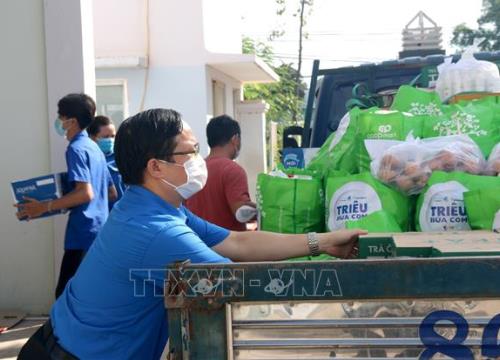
[[353, 309]]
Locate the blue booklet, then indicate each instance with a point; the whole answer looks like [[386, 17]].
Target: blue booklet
[[42, 188]]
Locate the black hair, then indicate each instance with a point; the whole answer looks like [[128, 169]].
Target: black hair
[[221, 129], [79, 106], [99, 121], [147, 135]]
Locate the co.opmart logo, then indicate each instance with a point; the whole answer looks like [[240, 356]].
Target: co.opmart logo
[[384, 129]]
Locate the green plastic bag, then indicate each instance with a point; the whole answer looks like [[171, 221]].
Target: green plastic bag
[[417, 101], [483, 208], [379, 221], [383, 125], [352, 197], [440, 206], [320, 163], [290, 205], [337, 153], [345, 150], [480, 119], [322, 257]]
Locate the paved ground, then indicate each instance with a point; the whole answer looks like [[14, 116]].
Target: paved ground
[[13, 339]]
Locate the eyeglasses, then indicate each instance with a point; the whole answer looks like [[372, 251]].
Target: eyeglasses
[[192, 153]]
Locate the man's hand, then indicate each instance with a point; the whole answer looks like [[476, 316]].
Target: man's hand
[[31, 209], [342, 243]]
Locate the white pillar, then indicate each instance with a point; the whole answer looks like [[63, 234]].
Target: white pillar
[[273, 144], [69, 44], [252, 118]]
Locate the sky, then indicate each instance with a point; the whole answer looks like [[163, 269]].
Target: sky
[[351, 32]]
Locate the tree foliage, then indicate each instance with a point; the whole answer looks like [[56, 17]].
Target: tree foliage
[[281, 96], [488, 30], [298, 10]]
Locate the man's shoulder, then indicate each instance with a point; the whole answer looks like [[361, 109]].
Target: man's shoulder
[[224, 164], [83, 145]]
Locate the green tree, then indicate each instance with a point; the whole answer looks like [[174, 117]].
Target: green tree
[[283, 98], [300, 12], [488, 30]]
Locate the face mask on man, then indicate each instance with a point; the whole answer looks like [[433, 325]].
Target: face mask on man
[[196, 171], [106, 145], [59, 128]]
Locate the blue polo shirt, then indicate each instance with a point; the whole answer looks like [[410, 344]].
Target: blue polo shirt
[[113, 308], [86, 163], [117, 178]]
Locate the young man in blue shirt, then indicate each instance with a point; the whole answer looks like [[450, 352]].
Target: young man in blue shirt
[[103, 132], [99, 316], [89, 179]]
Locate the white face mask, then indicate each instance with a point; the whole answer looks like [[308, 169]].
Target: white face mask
[[196, 171]]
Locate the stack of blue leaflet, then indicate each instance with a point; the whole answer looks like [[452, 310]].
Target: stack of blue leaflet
[[41, 188]]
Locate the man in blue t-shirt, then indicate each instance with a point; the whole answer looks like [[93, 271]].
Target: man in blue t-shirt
[[103, 132], [99, 316], [89, 180]]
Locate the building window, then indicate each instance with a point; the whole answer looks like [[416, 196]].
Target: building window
[[111, 98]]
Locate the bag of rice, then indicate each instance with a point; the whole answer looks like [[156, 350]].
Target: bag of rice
[[352, 197], [417, 101], [379, 221], [483, 208], [440, 206], [480, 119], [338, 151], [290, 202]]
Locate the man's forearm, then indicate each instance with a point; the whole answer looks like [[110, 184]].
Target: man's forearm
[[265, 246], [74, 198]]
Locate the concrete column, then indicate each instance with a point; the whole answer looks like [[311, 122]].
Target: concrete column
[[252, 118], [69, 44]]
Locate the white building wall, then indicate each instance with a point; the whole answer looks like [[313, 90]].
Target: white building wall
[[47, 49], [26, 249], [121, 27], [176, 75], [181, 95]]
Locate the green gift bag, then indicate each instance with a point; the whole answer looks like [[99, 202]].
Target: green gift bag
[[383, 125], [483, 208], [379, 221], [322, 257], [353, 197], [338, 151], [417, 101], [321, 161], [440, 206], [480, 119], [290, 202]]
